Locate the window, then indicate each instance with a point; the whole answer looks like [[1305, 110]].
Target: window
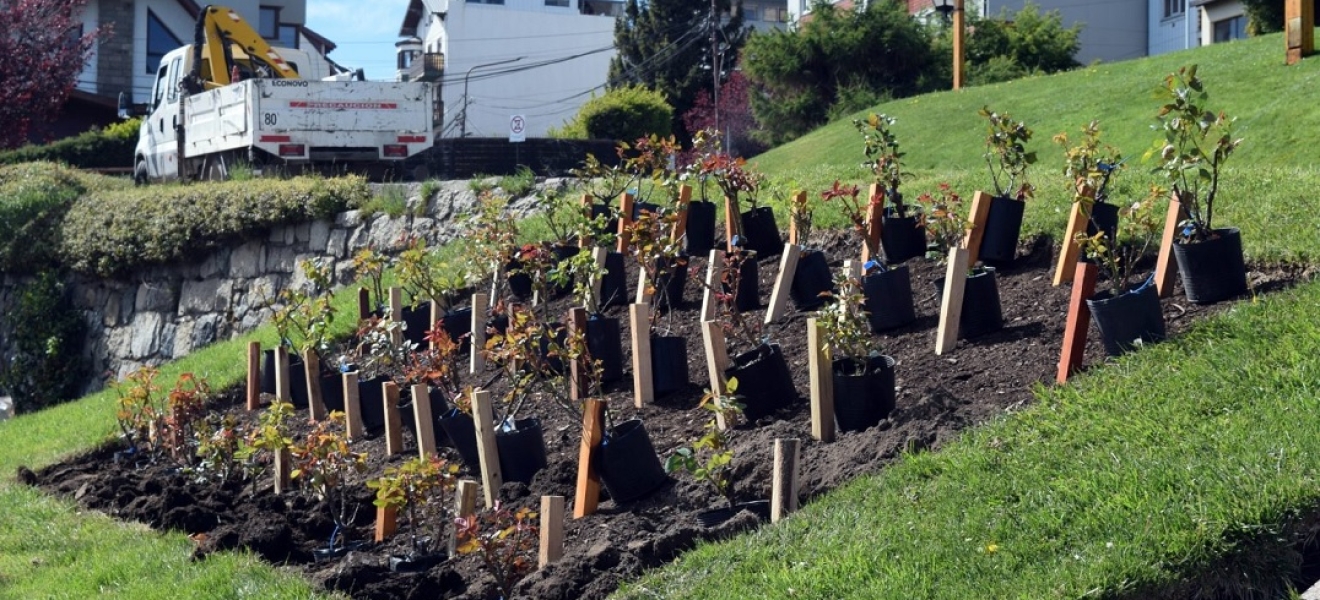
[[1173, 8], [176, 65], [268, 25], [1230, 29], [160, 40], [288, 36], [563, 3], [774, 14], [158, 93], [485, 1]]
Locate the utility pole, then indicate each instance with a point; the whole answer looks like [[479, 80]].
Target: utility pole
[[715, 63], [463, 115], [957, 44]]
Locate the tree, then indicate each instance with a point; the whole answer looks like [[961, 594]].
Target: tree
[[837, 61], [733, 115], [42, 50], [1265, 16], [623, 113], [1014, 45], [666, 45]]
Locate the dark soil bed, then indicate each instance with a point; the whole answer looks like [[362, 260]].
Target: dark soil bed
[[937, 397]]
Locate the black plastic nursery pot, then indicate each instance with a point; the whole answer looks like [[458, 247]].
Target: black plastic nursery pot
[[669, 364], [902, 237], [700, 234], [614, 283], [981, 311], [417, 321], [889, 298], [669, 286], [1003, 225], [765, 384], [439, 406], [628, 464], [712, 518], [520, 284], [810, 280], [371, 399], [332, 390], [761, 233], [457, 323], [297, 377], [1214, 269], [605, 210], [1104, 217], [605, 343], [462, 433], [556, 334], [863, 397], [416, 563], [522, 450], [641, 207], [748, 295], [1129, 320]]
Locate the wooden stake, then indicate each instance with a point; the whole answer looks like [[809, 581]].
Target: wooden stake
[[955, 283], [583, 240], [624, 240], [1079, 321], [680, 226], [1165, 268], [577, 369], [480, 310], [254, 376], [875, 211], [783, 284], [283, 466], [393, 424], [644, 292], [465, 505], [713, 267], [732, 222], [552, 530], [484, 417], [639, 320], [396, 313], [1070, 249], [598, 255], [436, 315], [283, 388], [980, 210], [799, 199], [1299, 29], [387, 522], [312, 371], [588, 480], [353, 407], [364, 304], [821, 372], [421, 395], [784, 485], [717, 360]]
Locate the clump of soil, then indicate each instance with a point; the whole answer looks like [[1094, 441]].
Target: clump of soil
[[938, 396]]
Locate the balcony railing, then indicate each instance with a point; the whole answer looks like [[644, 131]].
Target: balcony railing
[[429, 67]]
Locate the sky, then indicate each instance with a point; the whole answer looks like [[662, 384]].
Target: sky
[[364, 32]]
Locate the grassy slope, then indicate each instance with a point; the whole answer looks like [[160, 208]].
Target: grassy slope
[[54, 550]]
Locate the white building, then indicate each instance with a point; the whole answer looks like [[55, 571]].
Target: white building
[[493, 59], [1221, 20]]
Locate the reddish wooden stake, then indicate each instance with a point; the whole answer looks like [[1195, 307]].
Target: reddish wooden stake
[[799, 199], [387, 522], [577, 369], [732, 222], [393, 424], [680, 226], [254, 376], [588, 480], [1070, 249], [480, 310], [353, 407], [1079, 320], [312, 372], [364, 304], [624, 240], [875, 211], [972, 241], [1165, 268]]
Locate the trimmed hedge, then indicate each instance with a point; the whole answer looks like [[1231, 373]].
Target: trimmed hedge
[[34, 198], [109, 233], [625, 113], [94, 149]]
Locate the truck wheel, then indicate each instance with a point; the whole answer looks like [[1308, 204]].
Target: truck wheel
[[140, 173]]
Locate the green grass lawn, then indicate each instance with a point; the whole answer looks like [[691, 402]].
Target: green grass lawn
[[1135, 479]]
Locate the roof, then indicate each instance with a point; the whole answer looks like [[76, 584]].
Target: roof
[[412, 19]]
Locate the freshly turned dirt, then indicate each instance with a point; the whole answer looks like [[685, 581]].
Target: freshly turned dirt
[[938, 396]]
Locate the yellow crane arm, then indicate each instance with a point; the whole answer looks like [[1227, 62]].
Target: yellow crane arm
[[218, 28]]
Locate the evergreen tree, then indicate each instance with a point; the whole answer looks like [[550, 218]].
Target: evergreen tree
[[666, 45]]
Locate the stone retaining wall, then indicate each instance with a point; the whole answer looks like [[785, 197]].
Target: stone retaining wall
[[165, 312]]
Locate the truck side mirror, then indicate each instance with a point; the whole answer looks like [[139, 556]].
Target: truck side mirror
[[129, 110]]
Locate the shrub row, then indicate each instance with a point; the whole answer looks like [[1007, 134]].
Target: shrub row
[[98, 148], [112, 231], [34, 198]]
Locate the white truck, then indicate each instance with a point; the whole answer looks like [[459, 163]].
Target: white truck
[[271, 108]]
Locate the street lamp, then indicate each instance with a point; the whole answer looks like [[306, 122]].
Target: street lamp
[[955, 8], [463, 128]]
